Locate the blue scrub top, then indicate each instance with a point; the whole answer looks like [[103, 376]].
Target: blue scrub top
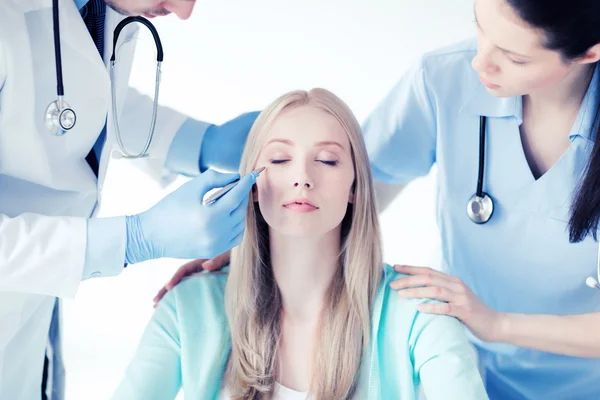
[[521, 261]]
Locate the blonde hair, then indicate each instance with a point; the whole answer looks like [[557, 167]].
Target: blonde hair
[[253, 300]]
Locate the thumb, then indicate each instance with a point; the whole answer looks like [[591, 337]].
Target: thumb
[[240, 192], [218, 262], [212, 179]]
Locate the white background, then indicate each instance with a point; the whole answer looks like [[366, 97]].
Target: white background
[[236, 56]]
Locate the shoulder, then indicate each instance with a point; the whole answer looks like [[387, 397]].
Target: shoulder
[[402, 314], [198, 299], [458, 55], [402, 311], [447, 71]]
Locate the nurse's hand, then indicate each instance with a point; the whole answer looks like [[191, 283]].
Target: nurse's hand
[[191, 268], [180, 226], [458, 300]]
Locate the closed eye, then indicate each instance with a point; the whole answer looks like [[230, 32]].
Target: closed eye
[[517, 62], [330, 163], [279, 161]]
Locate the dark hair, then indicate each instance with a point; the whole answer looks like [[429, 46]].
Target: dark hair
[[572, 28]]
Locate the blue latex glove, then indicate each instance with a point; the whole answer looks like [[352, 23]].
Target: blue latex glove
[[180, 226], [222, 145]]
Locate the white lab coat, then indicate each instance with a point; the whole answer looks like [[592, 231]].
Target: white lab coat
[[47, 189]]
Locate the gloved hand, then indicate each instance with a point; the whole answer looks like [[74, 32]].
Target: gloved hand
[[222, 145], [180, 226]]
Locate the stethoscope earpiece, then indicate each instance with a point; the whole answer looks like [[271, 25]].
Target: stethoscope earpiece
[[593, 283]]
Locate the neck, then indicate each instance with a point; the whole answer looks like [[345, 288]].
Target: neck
[[565, 96], [304, 269]]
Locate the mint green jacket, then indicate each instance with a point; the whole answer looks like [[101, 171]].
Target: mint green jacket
[[187, 345]]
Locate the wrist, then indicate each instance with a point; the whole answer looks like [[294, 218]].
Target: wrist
[[502, 327], [206, 148], [138, 248]]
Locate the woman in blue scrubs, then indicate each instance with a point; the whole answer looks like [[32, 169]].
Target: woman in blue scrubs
[[518, 281]]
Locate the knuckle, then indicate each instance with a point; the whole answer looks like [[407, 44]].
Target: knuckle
[[447, 308]]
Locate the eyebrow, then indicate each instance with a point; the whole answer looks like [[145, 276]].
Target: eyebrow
[[319, 144], [498, 47]]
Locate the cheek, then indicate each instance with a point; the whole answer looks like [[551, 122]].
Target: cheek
[[535, 79], [339, 186], [269, 188]]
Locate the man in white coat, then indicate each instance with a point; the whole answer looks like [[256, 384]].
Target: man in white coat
[[50, 186]]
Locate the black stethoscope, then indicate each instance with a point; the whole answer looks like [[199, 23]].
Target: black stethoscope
[[61, 118], [481, 206]]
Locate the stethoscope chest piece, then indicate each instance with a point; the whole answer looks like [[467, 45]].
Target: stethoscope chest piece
[[480, 208], [59, 118]]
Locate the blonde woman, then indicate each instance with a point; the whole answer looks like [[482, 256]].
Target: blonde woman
[[305, 309]]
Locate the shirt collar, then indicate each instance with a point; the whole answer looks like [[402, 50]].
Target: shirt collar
[[80, 3], [480, 102], [587, 111]]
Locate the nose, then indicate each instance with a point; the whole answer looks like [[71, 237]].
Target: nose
[[182, 8], [306, 184], [483, 62], [302, 176]]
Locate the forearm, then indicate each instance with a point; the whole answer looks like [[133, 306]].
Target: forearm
[[184, 153], [572, 335]]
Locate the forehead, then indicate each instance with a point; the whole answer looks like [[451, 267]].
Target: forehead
[[504, 28], [306, 124]]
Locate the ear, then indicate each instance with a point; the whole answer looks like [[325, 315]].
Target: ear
[[592, 55], [351, 197], [254, 193]]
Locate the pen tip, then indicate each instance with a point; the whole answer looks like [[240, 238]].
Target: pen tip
[[261, 169]]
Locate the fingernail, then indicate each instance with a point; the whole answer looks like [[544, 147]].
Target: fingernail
[[209, 264]]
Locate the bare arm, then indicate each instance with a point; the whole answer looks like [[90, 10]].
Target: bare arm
[[572, 335]]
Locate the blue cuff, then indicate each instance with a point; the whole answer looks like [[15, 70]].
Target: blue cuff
[[184, 153], [105, 249]]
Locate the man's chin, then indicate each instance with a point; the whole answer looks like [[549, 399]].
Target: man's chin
[[119, 10]]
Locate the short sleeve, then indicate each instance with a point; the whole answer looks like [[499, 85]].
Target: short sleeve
[[400, 133]]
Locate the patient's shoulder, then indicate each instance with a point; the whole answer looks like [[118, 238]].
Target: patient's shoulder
[[201, 294], [402, 310]]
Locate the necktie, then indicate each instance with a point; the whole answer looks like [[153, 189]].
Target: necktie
[[93, 14]]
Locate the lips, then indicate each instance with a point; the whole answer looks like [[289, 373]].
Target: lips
[[301, 204], [488, 84]]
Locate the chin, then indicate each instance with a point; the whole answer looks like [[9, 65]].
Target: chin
[[304, 229], [504, 93], [300, 231]]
